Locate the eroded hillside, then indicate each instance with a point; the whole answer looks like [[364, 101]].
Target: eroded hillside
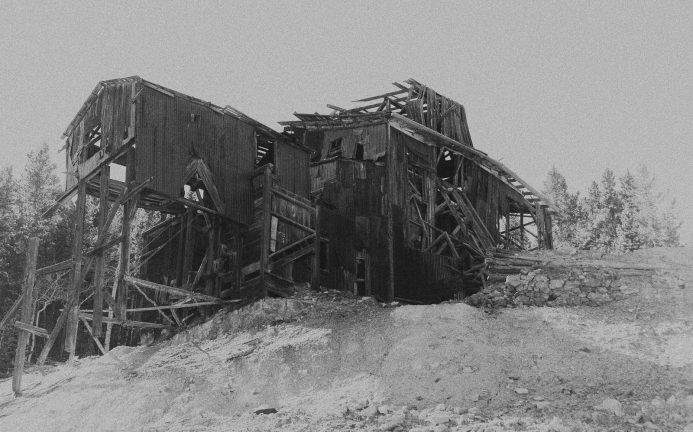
[[331, 362]]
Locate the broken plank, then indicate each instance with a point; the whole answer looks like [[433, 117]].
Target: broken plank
[[384, 95], [124, 323], [293, 223], [93, 336], [182, 306], [54, 268], [175, 292], [13, 310], [35, 330]]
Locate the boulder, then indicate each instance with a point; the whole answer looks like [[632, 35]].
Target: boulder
[[392, 422], [611, 406], [513, 280], [556, 284]]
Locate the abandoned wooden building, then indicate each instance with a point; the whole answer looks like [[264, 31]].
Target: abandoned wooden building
[[409, 206], [390, 199]]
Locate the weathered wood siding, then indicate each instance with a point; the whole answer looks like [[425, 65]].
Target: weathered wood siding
[[111, 109], [321, 173], [352, 217], [291, 166], [171, 130]]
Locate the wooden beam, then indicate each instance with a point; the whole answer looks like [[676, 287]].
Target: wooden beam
[[129, 209], [197, 165], [53, 336], [431, 137], [391, 179], [315, 273], [27, 314], [146, 297], [93, 335], [266, 232], [99, 273], [75, 282], [54, 268], [13, 310], [124, 198], [384, 95], [35, 330], [183, 306], [308, 249], [293, 222], [293, 200], [174, 292], [125, 323]]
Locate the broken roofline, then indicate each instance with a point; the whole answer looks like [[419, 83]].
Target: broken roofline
[[227, 110], [429, 137]]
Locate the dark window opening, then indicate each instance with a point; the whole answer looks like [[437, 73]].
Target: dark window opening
[[359, 152], [93, 141], [264, 151], [335, 148]]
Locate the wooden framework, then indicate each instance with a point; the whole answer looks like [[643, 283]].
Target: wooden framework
[[388, 199], [443, 198], [193, 163]]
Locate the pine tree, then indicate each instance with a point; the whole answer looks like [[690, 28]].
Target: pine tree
[[627, 234], [566, 223], [610, 211], [591, 212], [649, 225]]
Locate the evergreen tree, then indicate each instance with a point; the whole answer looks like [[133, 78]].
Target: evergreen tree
[[627, 233], [649, 225], [610, 211], [565, 223], [588, 226]]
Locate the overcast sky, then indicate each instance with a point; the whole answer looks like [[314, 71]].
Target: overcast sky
[[579, 85]]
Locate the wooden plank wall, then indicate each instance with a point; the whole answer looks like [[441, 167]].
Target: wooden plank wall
[[291, 167], [353, 218], [112, 110], [173, 129], [373, 138], [286, 233], [425, 277], [322, 172]]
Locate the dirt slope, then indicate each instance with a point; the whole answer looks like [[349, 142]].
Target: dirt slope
[[327, 362]]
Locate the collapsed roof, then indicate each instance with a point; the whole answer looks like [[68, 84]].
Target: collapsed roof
[[436, 119]]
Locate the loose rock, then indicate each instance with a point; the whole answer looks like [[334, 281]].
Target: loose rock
[[611, 406]]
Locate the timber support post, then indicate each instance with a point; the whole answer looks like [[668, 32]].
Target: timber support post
[[73, 294], [101, 257], [266, 225], [315, 277], [26, 315]]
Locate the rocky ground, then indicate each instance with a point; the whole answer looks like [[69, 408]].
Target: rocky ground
[[330, 362]]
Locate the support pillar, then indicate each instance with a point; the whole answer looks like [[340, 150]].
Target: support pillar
[[75, 282], [27, 314], [101, 256]]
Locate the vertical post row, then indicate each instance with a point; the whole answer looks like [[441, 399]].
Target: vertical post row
[[27, 313]]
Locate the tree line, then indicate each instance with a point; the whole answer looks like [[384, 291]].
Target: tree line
[[615, 214], [24, 198]]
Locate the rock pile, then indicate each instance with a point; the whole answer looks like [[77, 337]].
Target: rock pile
[[556, 286]]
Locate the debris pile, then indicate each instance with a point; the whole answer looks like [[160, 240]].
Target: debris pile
[[556, 280]]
